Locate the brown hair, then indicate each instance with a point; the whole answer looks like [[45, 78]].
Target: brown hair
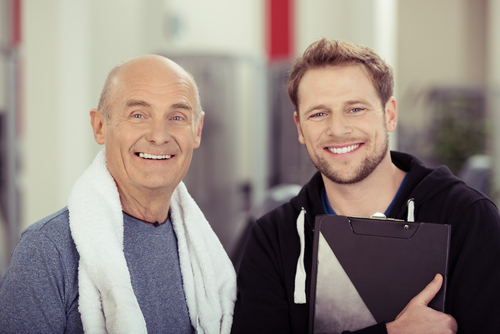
[[330, 53]]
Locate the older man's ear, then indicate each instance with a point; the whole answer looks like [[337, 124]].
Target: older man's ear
[[98, 122], [197, 140]]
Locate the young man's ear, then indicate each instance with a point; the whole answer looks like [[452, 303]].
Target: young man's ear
[[391, 114], [98, 122], [299, 130]]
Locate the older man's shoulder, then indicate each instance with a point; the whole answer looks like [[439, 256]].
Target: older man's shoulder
[[56, 224], [52, 232]]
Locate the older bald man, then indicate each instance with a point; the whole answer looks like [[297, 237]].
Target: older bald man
[[132, 252]]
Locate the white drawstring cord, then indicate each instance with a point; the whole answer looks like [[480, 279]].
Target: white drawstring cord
[[411, 210], [299, 295]]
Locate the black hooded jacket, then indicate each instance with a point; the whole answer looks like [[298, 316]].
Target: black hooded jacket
[[267, 273]]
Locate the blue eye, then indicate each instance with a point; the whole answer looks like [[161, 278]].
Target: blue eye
[[319, 114], [138, 116], [355, 110], [177, 118]]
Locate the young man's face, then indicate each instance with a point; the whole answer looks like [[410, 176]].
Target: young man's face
[[342, 122]]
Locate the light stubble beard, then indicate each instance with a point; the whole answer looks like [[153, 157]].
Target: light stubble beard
[[367, 166]]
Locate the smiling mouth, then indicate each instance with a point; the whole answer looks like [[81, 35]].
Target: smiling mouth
[[153, 157], [343, 150]]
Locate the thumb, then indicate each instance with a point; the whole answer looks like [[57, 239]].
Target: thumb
[[426, 295]]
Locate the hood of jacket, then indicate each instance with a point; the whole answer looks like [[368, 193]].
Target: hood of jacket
[[423, 185]]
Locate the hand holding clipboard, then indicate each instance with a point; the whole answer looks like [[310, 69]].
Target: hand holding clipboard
[[422, 319]]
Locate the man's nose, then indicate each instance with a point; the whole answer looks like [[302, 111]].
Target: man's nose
[[158, 132], [339, 125]]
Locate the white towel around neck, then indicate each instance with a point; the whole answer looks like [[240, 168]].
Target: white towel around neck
[[107, 303]]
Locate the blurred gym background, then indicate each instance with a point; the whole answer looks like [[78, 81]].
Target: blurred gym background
[[56, 54]]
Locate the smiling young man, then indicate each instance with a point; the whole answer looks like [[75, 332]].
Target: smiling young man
[[132, 252], [344, 126], [344, 111]]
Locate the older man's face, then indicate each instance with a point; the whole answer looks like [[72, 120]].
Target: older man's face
[[152, 128]]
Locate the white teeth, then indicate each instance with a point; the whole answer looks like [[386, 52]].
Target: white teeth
[[345, 149], [154, 157]]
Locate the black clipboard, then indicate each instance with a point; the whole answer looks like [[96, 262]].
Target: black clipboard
[[387, 261]]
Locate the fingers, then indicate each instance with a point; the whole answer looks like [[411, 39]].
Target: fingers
[[426, 295], [454, 324], [417, 317]]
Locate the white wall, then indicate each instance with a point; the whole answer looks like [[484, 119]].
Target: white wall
[[40, 163], [433, 44], [441, 44], [334, 19], [217, 26]]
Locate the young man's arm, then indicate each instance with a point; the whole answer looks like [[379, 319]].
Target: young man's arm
[[262, 305]]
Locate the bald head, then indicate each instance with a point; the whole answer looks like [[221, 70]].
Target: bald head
[[149, 65]]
